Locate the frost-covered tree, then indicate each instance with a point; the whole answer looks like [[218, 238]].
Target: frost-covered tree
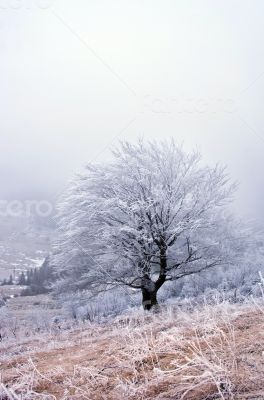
[[152, 214], [22, 279]]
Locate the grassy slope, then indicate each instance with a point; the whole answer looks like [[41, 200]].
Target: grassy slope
[[214, 352]]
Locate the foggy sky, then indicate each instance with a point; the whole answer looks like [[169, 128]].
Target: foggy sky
[[77, 76]]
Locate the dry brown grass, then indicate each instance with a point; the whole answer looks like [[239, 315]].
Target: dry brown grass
[[213, 353]]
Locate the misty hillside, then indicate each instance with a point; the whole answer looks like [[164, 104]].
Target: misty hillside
[[131, 200], [24, 243]]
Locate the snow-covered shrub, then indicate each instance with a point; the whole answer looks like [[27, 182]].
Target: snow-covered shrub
[[84, 307], [236, 283], [40, 320]]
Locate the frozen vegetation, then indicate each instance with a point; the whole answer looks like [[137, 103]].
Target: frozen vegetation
[[210, 351]]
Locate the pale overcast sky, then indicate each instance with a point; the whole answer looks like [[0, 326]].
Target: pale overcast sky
[[76, 76]]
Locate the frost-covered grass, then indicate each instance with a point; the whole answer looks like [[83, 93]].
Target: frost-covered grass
[[206, 352]]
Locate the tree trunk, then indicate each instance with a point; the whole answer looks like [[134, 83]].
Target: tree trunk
[[150, 288], [149, 293], [149, 299]]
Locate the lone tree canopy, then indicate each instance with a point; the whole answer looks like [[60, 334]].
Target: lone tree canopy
[[150, 215]]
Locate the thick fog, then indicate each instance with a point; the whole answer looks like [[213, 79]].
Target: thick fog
[[76, 77]]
